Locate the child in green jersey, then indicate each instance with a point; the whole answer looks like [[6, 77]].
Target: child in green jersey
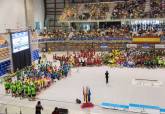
[[19, 91], [33, 92], [7, 87], [29, 92], [14, 89], [26, 89]]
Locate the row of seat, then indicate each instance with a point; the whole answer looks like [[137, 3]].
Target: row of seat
[[35, 55], [4, 67], [102, 38], [51, 39]]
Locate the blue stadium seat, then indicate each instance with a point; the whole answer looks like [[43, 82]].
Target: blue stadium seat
[[4, 66], [35, 55]]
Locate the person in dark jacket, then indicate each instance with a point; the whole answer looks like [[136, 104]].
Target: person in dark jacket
[[106, 76], [56, 111], [89, 95], [39, 107]]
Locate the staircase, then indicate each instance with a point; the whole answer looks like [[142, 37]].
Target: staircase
[[111, 7], [53, 9], [147, 6]]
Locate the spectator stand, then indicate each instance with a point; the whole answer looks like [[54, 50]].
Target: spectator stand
[[5, 63], [4, 67]]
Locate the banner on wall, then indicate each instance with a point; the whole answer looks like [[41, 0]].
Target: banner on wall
[[104, 45], [159, 46], [146, 39], [131, 45], [146, 46], [118, 40], [117, 46], [162, 38], [37, 26]]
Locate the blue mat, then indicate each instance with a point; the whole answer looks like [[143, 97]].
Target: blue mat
[[162, 110], [144, 106], [126, 107], [109, 105]]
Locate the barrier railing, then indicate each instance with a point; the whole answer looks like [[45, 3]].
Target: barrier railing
[[16, 106], [48, 108], [10, 105], [3, 46], [98, 39], [14, 109]]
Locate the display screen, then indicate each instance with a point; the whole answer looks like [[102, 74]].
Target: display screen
[[20, 41]]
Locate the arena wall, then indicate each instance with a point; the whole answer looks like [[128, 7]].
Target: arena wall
[[20, 14]]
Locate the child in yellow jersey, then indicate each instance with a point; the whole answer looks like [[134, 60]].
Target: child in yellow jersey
[[48, 81], [38, 84], [45, 82], [42, 82], [28, 81]]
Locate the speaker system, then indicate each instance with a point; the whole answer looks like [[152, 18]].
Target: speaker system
[[63, 111]]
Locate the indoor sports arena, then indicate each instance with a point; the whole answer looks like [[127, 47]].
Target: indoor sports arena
[[82, 57]]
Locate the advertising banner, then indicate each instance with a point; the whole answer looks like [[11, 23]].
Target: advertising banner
[[162, 38], [118, 40], [146, 39], [104, 45], [159, 46], [145, 46], [131, 45]]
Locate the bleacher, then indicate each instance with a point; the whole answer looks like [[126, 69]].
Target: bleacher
[[4, 53], [5, 62], [4, 67], [88, 11], [130, 9], [35, 55]]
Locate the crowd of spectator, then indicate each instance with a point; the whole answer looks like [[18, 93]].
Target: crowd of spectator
[[3, 42], [69, 13], [88, 11], [106, 34], [157, 9], [148, 30], [57, 35], [103, 34], [128, 9], [97, 11]]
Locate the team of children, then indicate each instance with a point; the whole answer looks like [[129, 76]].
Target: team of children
[[34, 79], [135, 58], [27, 87], [82, 58]]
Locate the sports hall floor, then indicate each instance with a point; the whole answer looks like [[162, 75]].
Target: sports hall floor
[[122, 89]]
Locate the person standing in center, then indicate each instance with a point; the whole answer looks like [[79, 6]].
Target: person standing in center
[[39, 107], [106, 76], [89, 95]]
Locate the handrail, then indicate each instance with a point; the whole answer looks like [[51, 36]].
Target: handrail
[[3, 46], [112, 20]]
